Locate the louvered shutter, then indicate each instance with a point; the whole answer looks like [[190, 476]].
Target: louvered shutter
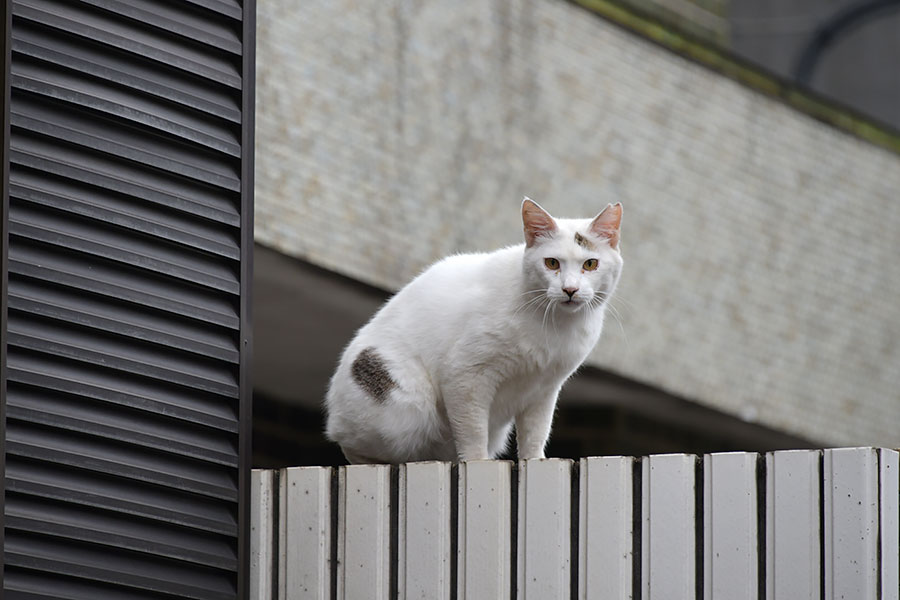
[[127, 351]]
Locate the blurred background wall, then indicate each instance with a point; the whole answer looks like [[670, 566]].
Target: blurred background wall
[[758, 305]]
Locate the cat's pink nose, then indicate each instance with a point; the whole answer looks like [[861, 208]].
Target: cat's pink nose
[[570, 291]]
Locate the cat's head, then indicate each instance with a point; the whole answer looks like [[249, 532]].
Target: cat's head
[[576, 262]]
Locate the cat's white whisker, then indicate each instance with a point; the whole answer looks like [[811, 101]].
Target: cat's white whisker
[[622, 306], [533, 302], [623, 303], [546, 310], [537, 291], [553, 319], [618, 320]]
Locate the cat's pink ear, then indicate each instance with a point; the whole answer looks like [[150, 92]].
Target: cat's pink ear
[[606, 224], [537, 221]]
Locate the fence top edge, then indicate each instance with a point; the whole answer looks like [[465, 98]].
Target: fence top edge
[[582, 460]]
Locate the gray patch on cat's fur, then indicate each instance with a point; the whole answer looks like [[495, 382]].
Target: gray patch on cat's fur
[[584, 242], [370, 372]]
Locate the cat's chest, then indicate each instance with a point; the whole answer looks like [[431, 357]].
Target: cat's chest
[[558, 349], [526, 388], [539, 364]]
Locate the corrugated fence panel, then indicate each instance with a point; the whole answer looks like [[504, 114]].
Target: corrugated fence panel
[[544, 528], [425, 533], [730, 525], [851, 520], [127, 274], [860, 511], [304, 552], [793, 531], [669, 545], [364, 532], [606, 528], [484, 554], [264, 529], [889, 523]]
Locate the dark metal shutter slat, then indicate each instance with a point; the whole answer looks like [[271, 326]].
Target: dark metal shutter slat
[[143, 116], [89, 310], [126, 217], [116, 531], [121, 460], [191, 370], [118, 424], [115, 282], [203, 381], [140, 499], [112, 541], [30, 585], [108, 66], [104, 381], [173, 21], [123, 568], [106, 241], [85, 245], [130, 319], [149, 34], [54, 455], [126, 342], [97, 384], [218, 232], [61, 83], [37, 307], [229, 8], [169, 157], [121, 179], [53, 419], [58, 16]]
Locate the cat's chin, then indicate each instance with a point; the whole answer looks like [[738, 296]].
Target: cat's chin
[[571, 305]]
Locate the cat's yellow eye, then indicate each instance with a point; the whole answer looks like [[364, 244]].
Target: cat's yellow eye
[[590, 264], [551, 263]]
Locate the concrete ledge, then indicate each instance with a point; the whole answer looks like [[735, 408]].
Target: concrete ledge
[[725, 63]]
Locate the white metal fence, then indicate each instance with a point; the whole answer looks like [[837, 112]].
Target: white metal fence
[[780, 526]]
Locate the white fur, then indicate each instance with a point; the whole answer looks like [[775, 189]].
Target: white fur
[[475, 344]]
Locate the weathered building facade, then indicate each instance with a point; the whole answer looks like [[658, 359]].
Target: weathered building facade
[[759, 243]]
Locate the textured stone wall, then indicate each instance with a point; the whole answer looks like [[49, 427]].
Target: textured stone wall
[[761, 247]]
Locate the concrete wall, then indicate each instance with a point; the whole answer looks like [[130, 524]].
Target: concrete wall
[[760, 245]]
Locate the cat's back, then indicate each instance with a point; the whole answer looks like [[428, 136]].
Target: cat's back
[[458, 290], [458, 276]]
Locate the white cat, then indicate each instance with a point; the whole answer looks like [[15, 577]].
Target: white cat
[[476, 343]]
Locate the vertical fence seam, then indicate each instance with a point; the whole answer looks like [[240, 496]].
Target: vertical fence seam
[[878, 553], [637, 524], [514, 530], [761, 526], [394, 531], [821, 483], [574, 528], [275, 546], [454, 531], [699, 531]]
